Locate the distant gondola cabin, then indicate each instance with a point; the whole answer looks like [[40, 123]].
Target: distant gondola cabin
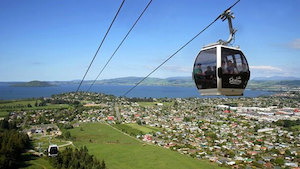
[[53, 150]]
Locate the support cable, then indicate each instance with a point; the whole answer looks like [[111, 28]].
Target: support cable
[[119, 45], [179, 50], [100, 46]]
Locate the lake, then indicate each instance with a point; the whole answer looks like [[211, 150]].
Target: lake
[[8, 92]]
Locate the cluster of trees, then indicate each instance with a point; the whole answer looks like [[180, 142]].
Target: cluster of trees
[[127, 129], [76, 158], [211, 134], [16, 106], [5, 125], [42, 103], [66, 135], [65, 126], [12, 145], [135, 99], [188, 118], [288, 123], [140, 122], [60, 101]]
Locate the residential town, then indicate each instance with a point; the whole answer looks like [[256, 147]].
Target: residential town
[[237, 132]]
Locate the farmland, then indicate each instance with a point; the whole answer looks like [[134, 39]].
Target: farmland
[[16, 105]]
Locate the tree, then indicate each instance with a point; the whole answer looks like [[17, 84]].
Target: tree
[[288, 152], [12, 145], [139, 122], [67, 135], [279, 161], [36, 104], [212, 135], [103, 164]]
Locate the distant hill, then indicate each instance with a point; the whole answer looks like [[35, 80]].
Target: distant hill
[[276, 78], [188, 82], [172, 81], [32, 84], [256, 83], [290, 83]]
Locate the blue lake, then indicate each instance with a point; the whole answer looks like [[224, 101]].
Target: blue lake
[[7, 92]]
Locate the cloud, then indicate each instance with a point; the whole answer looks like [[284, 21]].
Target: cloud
[[266, 68], [295, 44]]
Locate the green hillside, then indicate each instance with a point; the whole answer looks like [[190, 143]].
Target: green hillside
[[121, 151]]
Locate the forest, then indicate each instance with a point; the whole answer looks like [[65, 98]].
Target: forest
[[13, 144], [76, 158]]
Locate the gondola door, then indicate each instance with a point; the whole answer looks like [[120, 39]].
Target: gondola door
[[204, 72], [234, 72]]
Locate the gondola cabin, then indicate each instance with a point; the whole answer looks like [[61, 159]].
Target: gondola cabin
[[52, 150], [221, 70]]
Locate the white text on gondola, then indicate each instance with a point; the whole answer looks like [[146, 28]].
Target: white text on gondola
[[235, 81]]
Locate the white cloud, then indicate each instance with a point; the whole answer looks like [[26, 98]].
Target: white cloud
[[295, 44], [266, 68]]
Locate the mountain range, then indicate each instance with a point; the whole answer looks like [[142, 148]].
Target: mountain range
[[171, 81], [276, 78]]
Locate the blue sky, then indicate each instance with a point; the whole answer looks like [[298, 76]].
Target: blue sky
[[56, 40]]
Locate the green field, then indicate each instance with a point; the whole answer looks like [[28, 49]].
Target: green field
[[19, 102], [127, 129], [151, 104], [147, 104], [297, 127], [4, 113], [121, 151], [23, 105], [143, 128]]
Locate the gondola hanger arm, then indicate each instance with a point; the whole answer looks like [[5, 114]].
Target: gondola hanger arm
[[228, 15]]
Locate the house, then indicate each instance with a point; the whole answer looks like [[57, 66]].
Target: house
[[268, 165], [147, 138], [110, 118], [265, 130], [230, 162], [291, 164]]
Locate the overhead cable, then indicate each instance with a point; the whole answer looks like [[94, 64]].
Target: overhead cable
[[119, 45], [183, 46], [100, 45]]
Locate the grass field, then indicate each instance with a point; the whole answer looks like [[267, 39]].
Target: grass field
[[127, 129], [4, 113], [22, 104], [151, 104], [143, 128], [121, 151], [147, 104], [19, 102], [297, 127]]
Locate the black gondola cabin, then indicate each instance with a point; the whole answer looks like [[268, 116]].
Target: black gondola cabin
[[221, 70], [52, 150]]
